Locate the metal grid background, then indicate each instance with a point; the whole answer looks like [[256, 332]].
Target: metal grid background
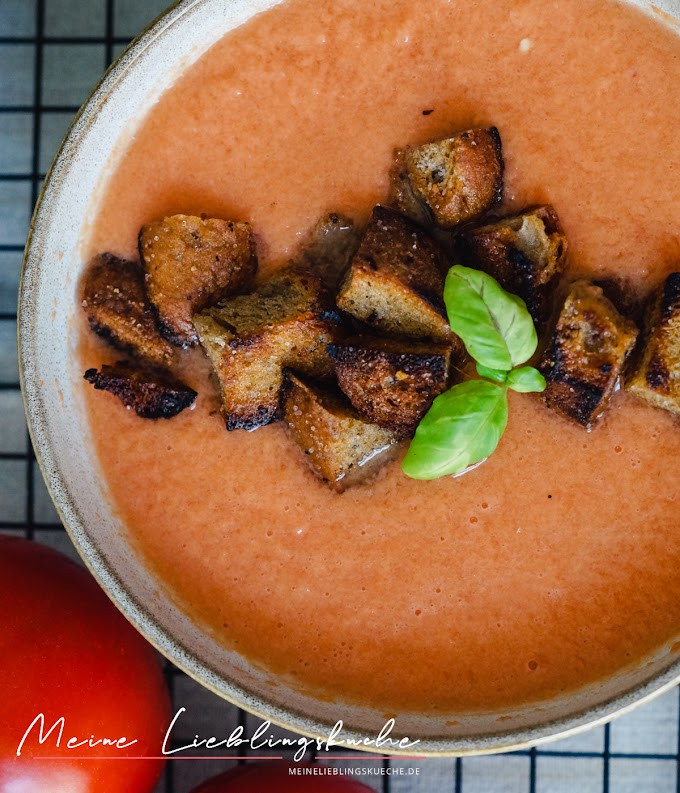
[[51, 54]]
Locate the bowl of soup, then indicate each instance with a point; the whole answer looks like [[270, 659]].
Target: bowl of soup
[[534, 596]]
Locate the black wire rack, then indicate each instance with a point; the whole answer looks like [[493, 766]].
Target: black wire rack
[[40, 91]]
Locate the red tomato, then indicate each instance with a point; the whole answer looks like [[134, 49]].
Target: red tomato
[[275, 777], [65, 651]]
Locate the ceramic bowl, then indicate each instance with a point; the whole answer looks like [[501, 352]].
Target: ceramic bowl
[[51, 382]]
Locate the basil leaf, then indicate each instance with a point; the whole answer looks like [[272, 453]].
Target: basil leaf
[[462, 427], [495, 326], [497, 375], [525, 380]]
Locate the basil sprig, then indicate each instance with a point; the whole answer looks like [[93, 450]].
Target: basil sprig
[[465, 424], [495, 326]]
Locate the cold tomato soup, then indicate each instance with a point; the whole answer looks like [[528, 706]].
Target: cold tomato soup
[[554, 563]]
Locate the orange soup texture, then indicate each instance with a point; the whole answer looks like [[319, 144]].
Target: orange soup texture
[[557, 561]]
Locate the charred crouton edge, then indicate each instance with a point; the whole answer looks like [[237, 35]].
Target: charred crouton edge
[[191, 263], [340, 446], [657, 377], [523, 253], [285, 322], [115, 303], [450, 181], [152, 392], [391, 382], [327, 249], [626, 298], [395, 282], [585, 358]]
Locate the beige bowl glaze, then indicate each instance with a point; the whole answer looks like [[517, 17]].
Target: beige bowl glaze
[[51, 382]]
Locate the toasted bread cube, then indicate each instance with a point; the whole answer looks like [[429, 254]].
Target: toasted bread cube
[[249, 339], [449, 181], [626, 297], [657, 376], [328, 248], [523, 253], [339, 444], [115, 303], [152, 392], [391, 382], [192, 263], [585, 358], [395, 282]]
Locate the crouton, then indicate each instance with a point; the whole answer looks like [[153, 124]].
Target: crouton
[[625, 297], [395, 282], [192, 263], [523, 253], [328, 248], [585, 358], [657, 376], [391, 382], [152, 392], [449, 181], [249, 339], [115, 303], [340, 445]]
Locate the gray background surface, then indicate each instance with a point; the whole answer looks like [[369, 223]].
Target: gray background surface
[[52, 52]]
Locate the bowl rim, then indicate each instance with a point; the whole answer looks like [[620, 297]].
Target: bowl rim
[[105, 574]]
